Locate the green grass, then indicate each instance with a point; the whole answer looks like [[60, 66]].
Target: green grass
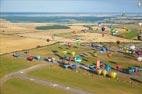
[[52, 27], [65, 35], [130, 34], [83, 79], [116, 57], [10, 64], [87, 81], [18, 86]]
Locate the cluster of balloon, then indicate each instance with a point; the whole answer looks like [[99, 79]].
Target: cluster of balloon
[[98, 70], [127, 50], [69, 55], [133, 69], [105, 70], [113, 31]]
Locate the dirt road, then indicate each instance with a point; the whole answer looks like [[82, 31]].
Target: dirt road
[[22, 75]]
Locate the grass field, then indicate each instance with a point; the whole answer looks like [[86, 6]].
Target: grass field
[[87, 81], [130, 35], [116, 58], [18, 86], [10, 64], [81, 79], [133, 31], [92, 83]]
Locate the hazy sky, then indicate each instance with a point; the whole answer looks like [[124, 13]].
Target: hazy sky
[[69, 6]]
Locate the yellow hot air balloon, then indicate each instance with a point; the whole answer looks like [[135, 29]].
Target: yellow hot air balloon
[[113, 74], [73, 54], [104, 72], [65, 52], [99, 71], [95, 54]]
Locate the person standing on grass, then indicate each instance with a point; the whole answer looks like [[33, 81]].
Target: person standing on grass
[[103, 30]]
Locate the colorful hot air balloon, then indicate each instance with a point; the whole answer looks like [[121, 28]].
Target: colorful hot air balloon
[[108, 67], [104, 72], [77, 43], [113, 74], [98, 71], [73, 54], [98, 64], [78, 59], [65, 52]]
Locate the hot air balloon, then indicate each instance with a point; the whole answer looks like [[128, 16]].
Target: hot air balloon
[[104, 72], [98, 64], [73, 54], [78, 59], [113, 74], [108, 67], [98, 71]]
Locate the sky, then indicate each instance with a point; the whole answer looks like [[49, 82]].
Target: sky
[[70, 6]]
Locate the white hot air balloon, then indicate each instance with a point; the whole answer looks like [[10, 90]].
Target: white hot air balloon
[[139, 59], [132, 47]]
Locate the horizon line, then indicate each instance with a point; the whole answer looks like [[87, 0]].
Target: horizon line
[[70, 12]]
